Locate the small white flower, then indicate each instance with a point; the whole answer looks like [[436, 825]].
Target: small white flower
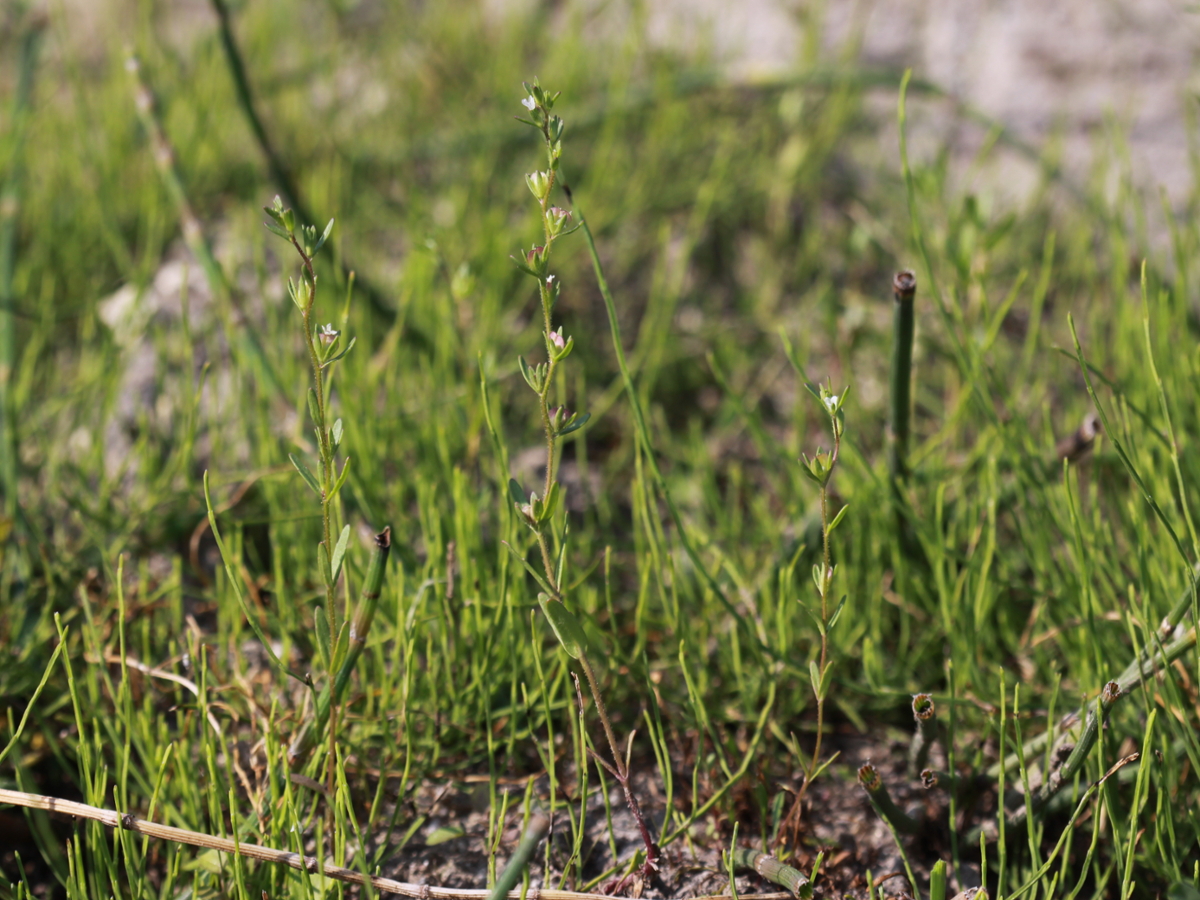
[[327, 333], [556, 339], [549, 279], [831, 402], [529, 103]]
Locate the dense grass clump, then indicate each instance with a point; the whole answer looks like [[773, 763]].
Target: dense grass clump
[[284, 561]]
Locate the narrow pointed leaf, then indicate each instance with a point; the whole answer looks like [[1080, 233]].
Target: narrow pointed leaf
[[575, 425], [339, 551], [838, 518], [308, 476], [339, 650], [325, 235], [323, 639], [333, 359], [341, 479], [520, 264], [313, 409], [837, 613], [515, 493], [528, 568], [326, 572]]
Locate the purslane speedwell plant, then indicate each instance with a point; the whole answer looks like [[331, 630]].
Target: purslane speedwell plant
[[538, 511], [325, 347], [819, 470]]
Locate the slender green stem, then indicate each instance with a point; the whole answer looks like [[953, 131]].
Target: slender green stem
[[877, 791], [536, 830], [925, 714], [546, 295], [904, 287], [324, 447], [1150, 659], [1065, 774], [360, 627], [826, 562]]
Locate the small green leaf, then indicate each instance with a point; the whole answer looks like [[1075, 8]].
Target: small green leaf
[[814, 677], [275, 229], [313, 409], [308, 476], [546, 509], [343, 645], [444, 834], [341, 479], [837, 612], [531, 375], [337, 433], [820, 579], [566, 627], [575, 424], [515, 494], [521, 264], [335, 358], [812, 615], [528, 568], [838, 518], [324, 236], [339, 551], [826, 678], [323, 641], [326, 571]]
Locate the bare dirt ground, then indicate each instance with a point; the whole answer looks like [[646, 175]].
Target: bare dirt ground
[[838, 822]]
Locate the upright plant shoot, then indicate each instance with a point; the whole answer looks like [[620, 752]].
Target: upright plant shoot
[[536, 510], [323, 345], [819, 470]]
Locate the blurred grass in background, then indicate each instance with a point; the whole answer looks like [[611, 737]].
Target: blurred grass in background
[[726, 213]]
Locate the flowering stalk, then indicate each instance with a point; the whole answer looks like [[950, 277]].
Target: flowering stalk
[[819, 470], [322, 345], [536, 261], [536, 511]]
